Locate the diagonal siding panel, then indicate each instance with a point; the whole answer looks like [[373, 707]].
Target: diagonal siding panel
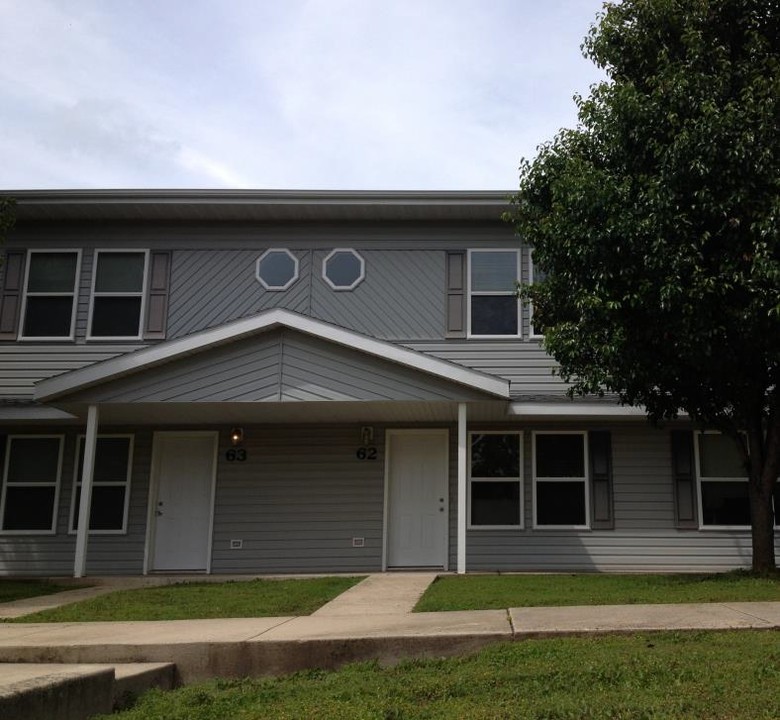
[[209, 288], [401, 297]]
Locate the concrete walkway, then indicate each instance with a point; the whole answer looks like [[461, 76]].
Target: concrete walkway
[[371, 620]]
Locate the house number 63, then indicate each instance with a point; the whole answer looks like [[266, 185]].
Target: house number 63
[[235, 455]]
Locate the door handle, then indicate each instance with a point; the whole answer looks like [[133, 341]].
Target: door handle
[[158, 513]]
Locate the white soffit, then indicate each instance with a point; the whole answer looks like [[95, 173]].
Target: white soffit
[[169, 351], [567, 409]]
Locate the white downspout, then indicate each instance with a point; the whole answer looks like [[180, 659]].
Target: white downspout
[[462, 459], [85, 503]]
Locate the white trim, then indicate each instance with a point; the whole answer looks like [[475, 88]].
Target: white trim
[[462, 485], [85, 502], [142, 294], [154, 484], [492, 293], [389, 434], [74, 295], [519, 480], [56, 483], [95, 483], [290, 282], [573, 410], [343, 288], [165, 352], [585, 480]]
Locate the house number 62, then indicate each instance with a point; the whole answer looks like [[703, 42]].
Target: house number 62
[[366, 453]]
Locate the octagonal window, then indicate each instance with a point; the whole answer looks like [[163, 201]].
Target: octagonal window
[[277, 269], [343, 269]]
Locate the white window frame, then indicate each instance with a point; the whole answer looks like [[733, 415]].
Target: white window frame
[[289, 283], [142, 294], [95, 483], [74, 295], [494, 293], [518, 480], [532, 334], [55, 511], [343, 288], [585, 479], [699, 478]]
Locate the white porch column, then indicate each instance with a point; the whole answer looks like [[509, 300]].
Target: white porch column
[[462, 460], [85, 503]]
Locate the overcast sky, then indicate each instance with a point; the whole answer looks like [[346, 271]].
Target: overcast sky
[[274, 94]]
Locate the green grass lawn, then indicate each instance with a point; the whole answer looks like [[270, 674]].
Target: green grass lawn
[[21, 589], [185, 601], [710, 675], [482, 592]]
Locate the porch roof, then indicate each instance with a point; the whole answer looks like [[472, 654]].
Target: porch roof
[[139, 375]]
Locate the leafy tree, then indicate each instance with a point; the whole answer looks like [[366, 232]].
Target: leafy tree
[[7, 217], [657, 221]]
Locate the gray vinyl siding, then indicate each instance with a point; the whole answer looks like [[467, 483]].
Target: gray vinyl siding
[[278, 366], [107, 554], [401, 296], [644, 538], [298, 501], [525, 364], [302, 495], [24, 364]]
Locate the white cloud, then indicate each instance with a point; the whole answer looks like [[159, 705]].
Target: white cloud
[[306, 93]]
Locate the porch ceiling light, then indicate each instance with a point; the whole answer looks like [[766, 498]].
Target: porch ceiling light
[[237, 435]]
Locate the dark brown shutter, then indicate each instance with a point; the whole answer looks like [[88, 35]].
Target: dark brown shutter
[[157, 304], [600, 451], [12, 294], [684, 479], [456, 294]]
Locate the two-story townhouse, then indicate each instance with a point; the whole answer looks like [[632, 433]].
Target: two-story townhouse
[[257, 382]]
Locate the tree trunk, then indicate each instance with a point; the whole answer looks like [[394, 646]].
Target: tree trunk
[[762, 522]]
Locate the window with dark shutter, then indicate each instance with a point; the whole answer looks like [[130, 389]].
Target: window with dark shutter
[[456, 294], [157, 308], [684, 479], [600, 447], [12, 294]]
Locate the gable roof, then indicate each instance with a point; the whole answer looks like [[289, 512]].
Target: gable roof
[[166, 352]]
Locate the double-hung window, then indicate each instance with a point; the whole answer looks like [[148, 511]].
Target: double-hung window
[[496, 480], [722, 480], [560, 470], [110, 485], [31, 480], [49, 306], [118, 291], [494, 308]]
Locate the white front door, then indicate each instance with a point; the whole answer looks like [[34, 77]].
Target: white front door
[[183, 472], [417, 498]]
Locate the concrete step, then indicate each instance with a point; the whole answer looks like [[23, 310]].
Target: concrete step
[[134, 679], [41, 691]]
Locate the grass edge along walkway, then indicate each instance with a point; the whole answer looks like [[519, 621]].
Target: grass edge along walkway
[[663, 676], [203, 600], [12, 589], [496, 592]]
